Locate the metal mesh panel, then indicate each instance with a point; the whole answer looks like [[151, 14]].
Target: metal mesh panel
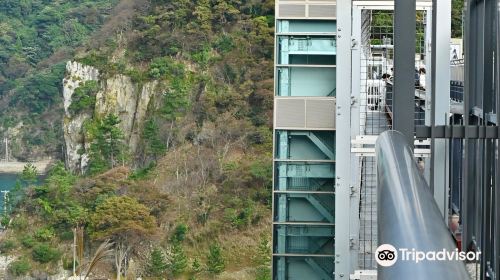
[[376, 96]]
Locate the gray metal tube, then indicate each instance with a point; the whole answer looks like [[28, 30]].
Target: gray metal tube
[[408, 216]]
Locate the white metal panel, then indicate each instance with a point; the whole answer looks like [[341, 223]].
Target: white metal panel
[[290, 113], [306, 9], [311, 113], [320, 113], [292, 11], [322, 11]]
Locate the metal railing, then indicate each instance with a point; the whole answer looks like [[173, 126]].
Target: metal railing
[[408, 216]]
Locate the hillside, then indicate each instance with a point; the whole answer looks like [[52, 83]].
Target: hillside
[[166, 133], [37, 37]]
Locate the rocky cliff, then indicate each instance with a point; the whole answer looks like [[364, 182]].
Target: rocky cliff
[[117, 95]]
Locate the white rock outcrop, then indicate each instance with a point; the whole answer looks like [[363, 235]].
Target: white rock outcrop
[[118, 95]]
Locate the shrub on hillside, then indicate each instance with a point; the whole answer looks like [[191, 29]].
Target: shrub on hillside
[[7, 246], [27, 241], [215, 260], [44, 253], [19, 267]]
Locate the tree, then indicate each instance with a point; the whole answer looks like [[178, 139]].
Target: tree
[[178, 260], [30, 174], [456, 18], [126, 222], [215, 260], [155, 147], [107, 148], [157, 266], [263, 259]]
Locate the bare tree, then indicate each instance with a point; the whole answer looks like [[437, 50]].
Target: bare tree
[[122, 250]]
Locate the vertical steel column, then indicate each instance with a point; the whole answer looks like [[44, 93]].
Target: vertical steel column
[[496, 188], [343, 143], [440, 104], [489, 145], [404, 68], [473, 96], [467, 191], [355, 124], [429, 67]]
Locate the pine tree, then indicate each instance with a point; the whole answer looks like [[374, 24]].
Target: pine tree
[[108, 148], [179, 259], [196, 266], [215, 262], [155, 147], [157, 264]]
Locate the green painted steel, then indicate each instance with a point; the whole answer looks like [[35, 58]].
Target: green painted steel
[[304, 161], [306, 81], [306, 26]]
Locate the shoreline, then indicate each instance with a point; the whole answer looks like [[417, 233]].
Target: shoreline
[[17, 167]]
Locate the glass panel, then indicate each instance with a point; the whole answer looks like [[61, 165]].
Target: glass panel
[[306, 81], [306, 50]]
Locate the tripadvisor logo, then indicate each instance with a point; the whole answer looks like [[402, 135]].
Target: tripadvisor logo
[[387, 255]]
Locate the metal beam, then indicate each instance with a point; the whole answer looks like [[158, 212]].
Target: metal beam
[[343, 141], [440, 104], [355, 129], [473, 96], [404, 67], [496, 189]]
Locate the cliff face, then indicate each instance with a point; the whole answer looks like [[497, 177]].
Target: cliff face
[[117, 95]]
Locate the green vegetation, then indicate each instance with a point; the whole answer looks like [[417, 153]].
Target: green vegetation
[[19, 267], [215, 263], [7, 246], [178, 260], [44, 253], [157, 266], [37, 37], [83, 99], [107, 149], [27, 241], [199, 183], [456, 18]]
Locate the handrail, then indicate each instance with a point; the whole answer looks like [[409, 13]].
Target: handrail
[[408, 216]]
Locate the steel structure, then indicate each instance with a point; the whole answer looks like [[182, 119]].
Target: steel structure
[[305, 138], [329, 109]]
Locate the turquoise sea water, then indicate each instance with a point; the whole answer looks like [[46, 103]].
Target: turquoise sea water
[[7, 182]]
